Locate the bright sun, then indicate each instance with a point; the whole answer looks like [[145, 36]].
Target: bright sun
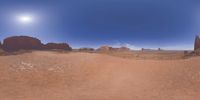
[[25, 19]]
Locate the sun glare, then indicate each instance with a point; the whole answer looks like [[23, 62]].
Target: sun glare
[[25, 19]]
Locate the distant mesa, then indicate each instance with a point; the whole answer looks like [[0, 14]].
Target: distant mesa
[[148, 50], [151, 50], [104, 48], [60, 46], [108, 48], [124, 49], [16, 43], [86, 49]]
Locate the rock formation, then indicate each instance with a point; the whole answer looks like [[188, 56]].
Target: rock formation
[[0, 45], [197, 43], [104, 48], [124, 49], [16, 43], [86, 49], [149, 50], [107, 48], [61, 46]]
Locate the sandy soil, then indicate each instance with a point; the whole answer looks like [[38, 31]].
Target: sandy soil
[[143, 55], [43, 75]]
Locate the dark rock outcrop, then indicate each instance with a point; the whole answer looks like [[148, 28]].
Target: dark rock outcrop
[[197, 43], [0, 45], [60, 46], [16, 43]]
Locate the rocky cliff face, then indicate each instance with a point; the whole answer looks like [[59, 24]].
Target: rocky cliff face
[[197, 43], [62, 46], [0, 45], [16, 43]]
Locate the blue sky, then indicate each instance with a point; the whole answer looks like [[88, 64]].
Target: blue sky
[[169, 24]]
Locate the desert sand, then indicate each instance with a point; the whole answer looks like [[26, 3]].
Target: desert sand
[[45, 75]]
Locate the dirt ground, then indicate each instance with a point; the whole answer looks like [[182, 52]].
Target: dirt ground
[[44, 75], [143, 55]]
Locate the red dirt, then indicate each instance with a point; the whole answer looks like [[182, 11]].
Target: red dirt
[[90, 76]]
